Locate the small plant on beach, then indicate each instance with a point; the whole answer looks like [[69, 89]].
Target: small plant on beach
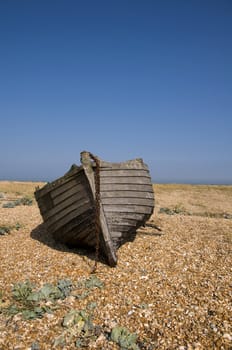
[[32, 303], [6, 229], [93, 282], [21, 201], [78, 330], [124, 338], [9, 205], [26, 201], [216, 215], [21, 291], [177, 209]]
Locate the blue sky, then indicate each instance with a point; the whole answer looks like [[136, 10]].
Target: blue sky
[[122, 79]]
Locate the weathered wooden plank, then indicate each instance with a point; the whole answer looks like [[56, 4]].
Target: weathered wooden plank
[[116, 234], [124, 173], [89, 240], [75, 238], [126, 187], [61, 189], [130, 164], [58, 216], [108, 245], [57, 183], [66, 206], [122, 220], [55, 225], [126, 223], [127, 201], [128, 209], [121, 227], [75, 190], [81, 234], [126, 180], [70, 201], [56, 191], [45, 203], [126, 194], [120, 217], [77, 224]]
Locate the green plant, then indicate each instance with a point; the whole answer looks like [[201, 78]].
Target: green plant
[[1, 298], [4, 230], [32, 303], [93, 282], [79, 329], [50, 292], [9, 205], [79, 318], [21, 201], [216, 215], [26, 201], [177, 209], [17, 226], [36, 312], [124, 338], [65, 287], [22, 290], [166, 211], [35, 346]]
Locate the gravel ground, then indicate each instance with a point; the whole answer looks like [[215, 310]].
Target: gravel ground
[[172, 288]]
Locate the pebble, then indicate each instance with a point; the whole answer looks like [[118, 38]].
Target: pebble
[[227, 336], [130, 312], [101, 338]]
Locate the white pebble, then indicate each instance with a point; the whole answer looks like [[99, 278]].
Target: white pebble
[[227, 336]]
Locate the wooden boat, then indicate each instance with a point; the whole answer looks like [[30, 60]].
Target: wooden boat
[[71, 208]]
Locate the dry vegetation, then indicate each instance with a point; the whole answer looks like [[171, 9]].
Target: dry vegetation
[[172, 288]]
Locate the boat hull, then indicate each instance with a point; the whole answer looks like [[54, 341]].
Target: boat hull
[[127, 198], [67, 204], [67, 207]]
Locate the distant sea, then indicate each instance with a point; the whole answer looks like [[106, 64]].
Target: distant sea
[[155, 181], [193, 182]]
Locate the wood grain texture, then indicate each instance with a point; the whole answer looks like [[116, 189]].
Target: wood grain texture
[[126, 187], [126, 194], [127, 201], [58, 183], [125, 180], [124, 173], [66, 205], [128, 209], [53, 224]]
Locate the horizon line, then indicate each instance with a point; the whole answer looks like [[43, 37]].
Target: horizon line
[[154, 182]]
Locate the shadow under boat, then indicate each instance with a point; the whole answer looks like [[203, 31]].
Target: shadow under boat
[[42, 235]]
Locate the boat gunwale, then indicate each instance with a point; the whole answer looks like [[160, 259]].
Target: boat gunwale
[[51, 186]]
